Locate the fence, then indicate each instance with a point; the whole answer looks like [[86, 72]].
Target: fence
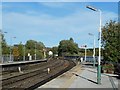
[[88, 58], [7, 58]]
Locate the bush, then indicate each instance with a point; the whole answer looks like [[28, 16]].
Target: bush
[[109, 68]]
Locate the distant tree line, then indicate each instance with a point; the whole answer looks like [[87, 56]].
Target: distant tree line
[[65, 48], [20, 50], [110, 46]]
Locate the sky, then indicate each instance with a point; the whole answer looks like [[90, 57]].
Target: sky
[[51, 22]]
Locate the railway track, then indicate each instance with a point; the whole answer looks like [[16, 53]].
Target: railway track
[[28, 69], [37, 77], [10, 68]]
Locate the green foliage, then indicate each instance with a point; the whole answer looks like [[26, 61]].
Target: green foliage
[[67, 47], [5, 47], [20, 49], [89, 52], [32, 45], [15, 51], [108, 67], [55, 50], [39, 54], [111, 41], [71, 39]]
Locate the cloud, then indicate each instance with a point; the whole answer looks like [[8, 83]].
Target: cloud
[[53, 4], [50, 29], [107, 16]]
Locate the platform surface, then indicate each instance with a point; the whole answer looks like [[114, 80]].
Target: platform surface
[[82, 76], [22, 62]]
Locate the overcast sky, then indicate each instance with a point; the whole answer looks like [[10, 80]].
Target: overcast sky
[[51, 22]]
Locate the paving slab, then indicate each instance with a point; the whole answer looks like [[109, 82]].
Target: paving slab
[[64, 80], [82, 76]]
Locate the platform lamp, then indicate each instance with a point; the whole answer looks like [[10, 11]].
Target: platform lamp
[[99, 58]]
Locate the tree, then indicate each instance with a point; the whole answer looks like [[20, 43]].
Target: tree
[[32, 45], [71, 39], [54, 50], [111, 41], [15, 53], [21, 51], [5, 47], [67, 47]]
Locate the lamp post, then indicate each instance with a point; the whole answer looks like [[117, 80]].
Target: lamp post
[[85, 47], [24, 52], [1, 46], [99, 58], [93, 49], [44, 53], [11, 48], [35, 50], [85, 52]]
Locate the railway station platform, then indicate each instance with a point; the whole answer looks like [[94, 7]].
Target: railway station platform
[[82, 76]]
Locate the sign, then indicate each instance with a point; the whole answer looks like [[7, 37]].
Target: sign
[[28, 54], [50, 53]]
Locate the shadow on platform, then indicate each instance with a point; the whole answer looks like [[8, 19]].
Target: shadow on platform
[[85, 78]]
